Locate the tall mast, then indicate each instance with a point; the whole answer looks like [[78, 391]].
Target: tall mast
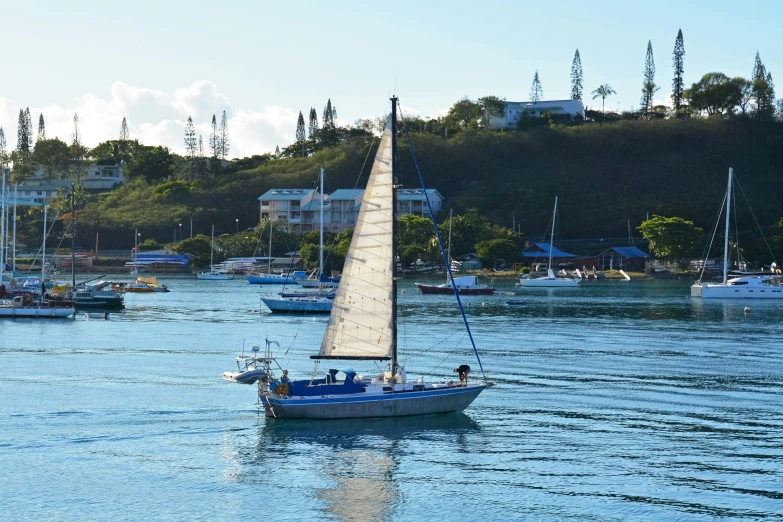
[[2, 231], [448, 255], [43, 250], [269, 254], [73, 239], [212, 250], [552, 236], [726, 244], [13, 258], [395, 182], [321, 249]]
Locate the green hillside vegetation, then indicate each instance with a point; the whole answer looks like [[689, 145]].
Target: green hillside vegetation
[[604, 176]]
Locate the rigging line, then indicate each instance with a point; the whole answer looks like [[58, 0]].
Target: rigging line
[[440, 242], [754, 219], [429, 348], [736, 229], [449, 354], [706, 255]]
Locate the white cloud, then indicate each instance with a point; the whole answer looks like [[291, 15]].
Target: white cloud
[[158, 118]]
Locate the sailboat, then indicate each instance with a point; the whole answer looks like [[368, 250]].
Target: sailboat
[[363, 324], [214, 275], [550, 280], [309, 303], [269, 278], [27, 305], [465, 285], [747, 287]]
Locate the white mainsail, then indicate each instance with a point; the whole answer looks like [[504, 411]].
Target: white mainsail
[[361, 321]]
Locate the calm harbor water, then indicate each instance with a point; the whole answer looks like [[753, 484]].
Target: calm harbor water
[[615, 401]]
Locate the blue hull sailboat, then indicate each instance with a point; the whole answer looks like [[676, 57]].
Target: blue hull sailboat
[[363, 325]]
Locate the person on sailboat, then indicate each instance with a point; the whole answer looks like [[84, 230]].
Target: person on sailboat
[[284, 379], [463, 371]]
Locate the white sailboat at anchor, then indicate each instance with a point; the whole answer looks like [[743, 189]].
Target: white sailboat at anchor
[[363, 325]]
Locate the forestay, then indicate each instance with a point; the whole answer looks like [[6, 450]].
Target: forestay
[[360, 325]]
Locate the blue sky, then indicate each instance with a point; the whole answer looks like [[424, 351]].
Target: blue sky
[[262, 62]]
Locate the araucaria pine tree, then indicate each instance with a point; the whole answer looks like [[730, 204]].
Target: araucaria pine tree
[[214, 147], [41, 128], [536, 91], [29, 124], [648, 85], [300, 133], [201, 162], [678, 62], [763, 91], [328, 125], [225, 141], [22, 135], [191, 147], [312, 127], [277, 148], [577, 79], [3, 150], [78, 151], [124, 134]]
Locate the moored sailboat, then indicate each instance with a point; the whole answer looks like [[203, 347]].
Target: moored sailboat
[[214, 275], [363, 325], [550, 280], [311, 303], [745, 287]]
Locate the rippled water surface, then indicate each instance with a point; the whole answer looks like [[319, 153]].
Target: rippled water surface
[[615, 401]]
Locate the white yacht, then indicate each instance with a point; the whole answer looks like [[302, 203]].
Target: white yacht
[[746, 287]]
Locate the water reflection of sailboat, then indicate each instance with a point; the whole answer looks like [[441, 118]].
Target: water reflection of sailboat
[[361, 470]]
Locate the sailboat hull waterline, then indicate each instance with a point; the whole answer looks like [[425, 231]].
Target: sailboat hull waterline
[[298, 305], [754, 287], [215, 276], [549, 282], [391, 404]]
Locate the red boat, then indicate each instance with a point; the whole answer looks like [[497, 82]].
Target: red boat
[[466, 285]]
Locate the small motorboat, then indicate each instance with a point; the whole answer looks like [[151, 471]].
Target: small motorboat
[[466, 285], [249, 369]]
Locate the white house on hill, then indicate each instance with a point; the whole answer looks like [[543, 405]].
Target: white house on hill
[[516, 110]]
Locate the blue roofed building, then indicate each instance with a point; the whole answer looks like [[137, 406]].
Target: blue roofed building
[[629, 258]]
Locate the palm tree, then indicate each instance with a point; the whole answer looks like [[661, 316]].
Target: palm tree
[[602, 92]]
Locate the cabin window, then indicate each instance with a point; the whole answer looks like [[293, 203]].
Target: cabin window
[[387, 388], [418, 387]]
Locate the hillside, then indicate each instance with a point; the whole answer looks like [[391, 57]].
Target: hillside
[[603, 175]]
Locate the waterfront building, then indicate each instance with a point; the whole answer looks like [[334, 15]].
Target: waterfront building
[[302, 207], [623, 258], [42, 185], [516, 110]]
